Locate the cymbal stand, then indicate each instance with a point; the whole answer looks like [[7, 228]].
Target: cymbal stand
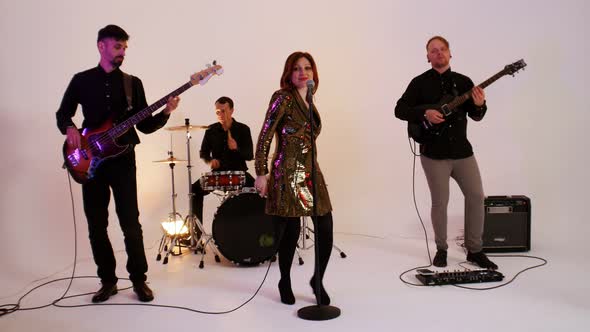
[[305, 236], [169, 241], [191, 220]]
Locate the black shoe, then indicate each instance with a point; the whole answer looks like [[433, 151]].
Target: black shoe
[[482, 260], [325, 300], [144, 293], [286, 292], [106, 290], [440, 259]]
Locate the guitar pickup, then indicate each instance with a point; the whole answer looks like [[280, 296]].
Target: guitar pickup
[[73, 160], [76, 156]]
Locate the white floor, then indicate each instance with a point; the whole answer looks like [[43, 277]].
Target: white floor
[[365, 286]]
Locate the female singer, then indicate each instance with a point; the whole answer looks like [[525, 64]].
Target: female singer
[[289, 182]]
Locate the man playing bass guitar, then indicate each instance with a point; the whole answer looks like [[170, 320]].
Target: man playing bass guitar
[[102, 93]]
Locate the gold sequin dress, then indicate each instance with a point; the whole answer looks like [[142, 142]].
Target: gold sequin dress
[[289, 184]]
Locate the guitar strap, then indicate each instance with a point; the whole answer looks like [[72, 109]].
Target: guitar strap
[[128, 86]]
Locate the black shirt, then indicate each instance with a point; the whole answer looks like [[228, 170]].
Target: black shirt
[[214, 146], [429, 88], [102, 96]]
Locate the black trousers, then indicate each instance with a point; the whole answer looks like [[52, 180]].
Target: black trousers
[[289, 229], [116, 174], [199, 194]]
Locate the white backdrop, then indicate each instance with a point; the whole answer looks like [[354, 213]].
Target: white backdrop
[[531, 141]]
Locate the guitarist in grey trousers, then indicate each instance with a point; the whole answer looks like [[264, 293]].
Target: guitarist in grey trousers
[[102, 93], [447, 153]]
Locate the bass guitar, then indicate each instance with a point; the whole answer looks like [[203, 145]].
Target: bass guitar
[[426, 131], [98, 145]]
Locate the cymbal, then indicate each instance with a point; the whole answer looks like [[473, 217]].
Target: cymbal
[[185, 127], [169, 160]]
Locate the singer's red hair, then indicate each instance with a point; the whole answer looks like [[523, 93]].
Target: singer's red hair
[[288, 70]]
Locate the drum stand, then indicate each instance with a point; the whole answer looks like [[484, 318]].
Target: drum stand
[[169, 241], [191, 220], [305, 236]]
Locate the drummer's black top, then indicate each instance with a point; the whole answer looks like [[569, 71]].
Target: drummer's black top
[[214, 146]]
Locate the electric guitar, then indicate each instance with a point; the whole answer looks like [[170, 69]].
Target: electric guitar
[[98, 145], [426, 131]]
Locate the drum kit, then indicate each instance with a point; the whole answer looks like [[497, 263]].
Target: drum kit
[[241, 231]]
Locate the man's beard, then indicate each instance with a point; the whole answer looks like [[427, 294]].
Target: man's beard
[[441, 64], [117, 61]]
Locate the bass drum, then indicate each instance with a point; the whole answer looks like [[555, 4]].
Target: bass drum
[[243, 233]]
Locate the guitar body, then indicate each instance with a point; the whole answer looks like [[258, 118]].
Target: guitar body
[[96, 146], [418, 133], [424, 131]]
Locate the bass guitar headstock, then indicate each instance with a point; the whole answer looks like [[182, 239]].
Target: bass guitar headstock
[[204, 75]]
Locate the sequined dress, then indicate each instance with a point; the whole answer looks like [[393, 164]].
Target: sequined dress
[[289, 184]]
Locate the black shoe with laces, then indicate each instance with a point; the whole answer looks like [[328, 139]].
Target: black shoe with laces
[[482, 260], [144, 293], [440, 259], [107, 290]]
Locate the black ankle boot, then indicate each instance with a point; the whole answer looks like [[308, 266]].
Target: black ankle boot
[[440, 259], [286, 292], [325, 300]]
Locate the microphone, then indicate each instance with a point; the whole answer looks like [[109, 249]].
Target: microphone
[[310, 86]]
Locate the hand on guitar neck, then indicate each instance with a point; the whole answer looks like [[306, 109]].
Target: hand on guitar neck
[[435, 117], [171, 105]]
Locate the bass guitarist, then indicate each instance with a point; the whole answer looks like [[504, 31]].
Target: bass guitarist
[[447, 153], [107, 94]]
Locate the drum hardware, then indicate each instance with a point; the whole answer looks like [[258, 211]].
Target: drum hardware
[[186, 127], [169, 160], [174, 227], [188, 226], [191, 220], [306, 235]]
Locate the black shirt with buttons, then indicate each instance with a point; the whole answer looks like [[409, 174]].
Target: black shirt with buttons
[[429, 88], [102, 97], [214, 146]]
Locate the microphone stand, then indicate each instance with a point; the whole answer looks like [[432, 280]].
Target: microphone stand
[[315, 312]]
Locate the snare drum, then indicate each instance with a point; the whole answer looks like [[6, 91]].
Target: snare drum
[[224, 181], [243, 233]]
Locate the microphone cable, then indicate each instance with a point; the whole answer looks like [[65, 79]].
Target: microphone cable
[[10, 308], [543, 261]]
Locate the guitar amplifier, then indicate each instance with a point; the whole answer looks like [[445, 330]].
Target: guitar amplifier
[[507, 224]]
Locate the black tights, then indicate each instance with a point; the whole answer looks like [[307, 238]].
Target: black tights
[[290, 229]]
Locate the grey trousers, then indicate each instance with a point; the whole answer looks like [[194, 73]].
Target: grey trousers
[[466, 173]]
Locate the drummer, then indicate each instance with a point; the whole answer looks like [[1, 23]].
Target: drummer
[[226, 146]]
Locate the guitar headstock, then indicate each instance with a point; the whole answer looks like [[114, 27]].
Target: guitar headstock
[[513, 68], [204, 75]]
